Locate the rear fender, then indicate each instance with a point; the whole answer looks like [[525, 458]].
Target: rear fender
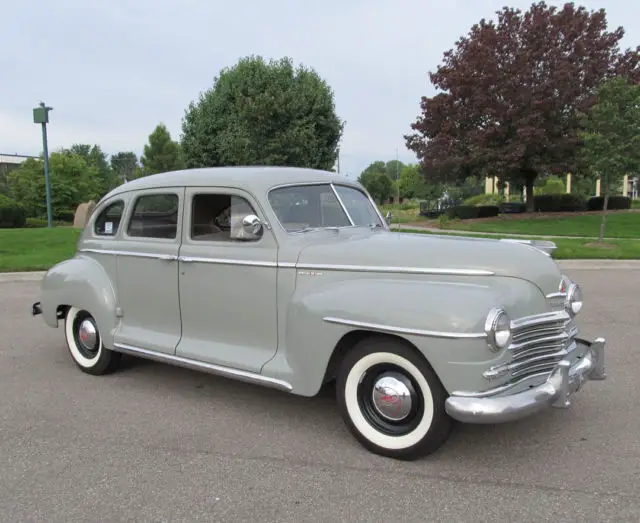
[[83, 283]]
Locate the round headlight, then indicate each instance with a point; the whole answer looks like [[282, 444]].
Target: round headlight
[[498, 329], [573, 303]]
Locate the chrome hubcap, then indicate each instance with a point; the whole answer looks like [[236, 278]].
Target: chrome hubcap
[[392, 398], [88, 335]]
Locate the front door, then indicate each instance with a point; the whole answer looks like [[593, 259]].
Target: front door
[[147, 271], [227, 282]]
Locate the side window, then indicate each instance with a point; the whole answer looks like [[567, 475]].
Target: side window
[[218, 217], [155, 216], [108, 222]]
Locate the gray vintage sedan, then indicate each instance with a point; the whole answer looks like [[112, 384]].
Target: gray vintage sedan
[[291, 278]]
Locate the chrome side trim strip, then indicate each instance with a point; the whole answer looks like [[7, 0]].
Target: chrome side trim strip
[[292, 265], [218, 370], [167, 257], [403, 270], [403, 330], [226, 261]]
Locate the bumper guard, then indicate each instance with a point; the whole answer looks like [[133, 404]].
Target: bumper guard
[[563, 381]]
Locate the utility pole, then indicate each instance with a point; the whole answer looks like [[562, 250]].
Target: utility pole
[[41, 116], [397, 176]]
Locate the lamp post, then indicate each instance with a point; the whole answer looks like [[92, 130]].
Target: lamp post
[[41, 116]]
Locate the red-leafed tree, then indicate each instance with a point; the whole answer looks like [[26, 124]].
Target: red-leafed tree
[[512, 91]]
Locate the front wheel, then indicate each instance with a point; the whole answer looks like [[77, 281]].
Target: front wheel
[[85, 344], [391, 400]]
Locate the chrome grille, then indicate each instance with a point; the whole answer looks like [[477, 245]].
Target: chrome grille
[[539, 343]]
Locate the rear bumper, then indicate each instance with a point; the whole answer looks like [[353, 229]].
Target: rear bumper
[[564, 381]]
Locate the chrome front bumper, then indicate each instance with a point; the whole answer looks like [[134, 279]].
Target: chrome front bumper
[[565, 380]]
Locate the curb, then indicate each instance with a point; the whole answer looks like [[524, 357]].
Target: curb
[[620, 265]]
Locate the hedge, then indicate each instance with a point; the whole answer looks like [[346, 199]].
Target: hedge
[[559, 203], [512, 207], [615, 203], [470, 212], [12, 214]]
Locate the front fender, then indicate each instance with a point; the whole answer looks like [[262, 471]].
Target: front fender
[[83, 283], [444, 318]]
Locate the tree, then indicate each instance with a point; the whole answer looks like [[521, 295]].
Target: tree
[[161, 154], [512, 91], [124, 165], [72, 180], [95, 157], [263, 113], [611, 136]]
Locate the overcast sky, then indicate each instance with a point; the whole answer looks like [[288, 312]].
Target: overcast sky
[[114, 69]]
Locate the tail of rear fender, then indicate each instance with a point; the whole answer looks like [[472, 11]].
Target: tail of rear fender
[[80, 282]]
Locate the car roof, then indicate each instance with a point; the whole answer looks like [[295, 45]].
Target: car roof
[[258, 179]]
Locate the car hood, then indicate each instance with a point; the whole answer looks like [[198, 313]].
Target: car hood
[[388, 251]]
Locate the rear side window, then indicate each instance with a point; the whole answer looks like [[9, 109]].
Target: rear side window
[[155, 216], [108, 222]]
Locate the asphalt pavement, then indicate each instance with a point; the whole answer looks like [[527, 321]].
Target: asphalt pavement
[[160, 443]]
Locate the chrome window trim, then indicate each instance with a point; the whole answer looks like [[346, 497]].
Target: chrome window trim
[[344, 207], [404, 330], [293, 265], [211, 368]]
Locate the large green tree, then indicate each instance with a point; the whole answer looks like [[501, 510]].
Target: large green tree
[[511, 93], [611, 136], [161, 154], [95, 157], [263, 113], [72, 179], [124, 165]]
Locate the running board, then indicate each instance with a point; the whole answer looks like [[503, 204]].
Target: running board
[[210, 368]]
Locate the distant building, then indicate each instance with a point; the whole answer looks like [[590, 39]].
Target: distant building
[[8, 163]]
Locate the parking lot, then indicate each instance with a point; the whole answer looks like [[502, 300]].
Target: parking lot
[[160, 443]]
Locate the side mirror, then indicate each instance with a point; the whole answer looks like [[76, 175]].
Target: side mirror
[[252, 224], [388, 217]]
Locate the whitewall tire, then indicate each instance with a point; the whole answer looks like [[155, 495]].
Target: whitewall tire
[[85, 343], [391, 400]]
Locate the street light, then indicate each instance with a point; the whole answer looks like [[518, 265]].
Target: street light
[[41, 116]]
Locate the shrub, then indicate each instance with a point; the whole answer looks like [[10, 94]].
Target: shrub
[[12, 213], [552, 185], [34, 223], [64, 215], [470, 212], [615, 203], [559, 203], [484, 199]]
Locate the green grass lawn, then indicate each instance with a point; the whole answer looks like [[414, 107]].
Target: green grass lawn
[[40, 249], [35, 249], [572, 249], [618, 225]]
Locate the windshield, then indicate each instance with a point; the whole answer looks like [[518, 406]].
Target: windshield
[[303, 207]]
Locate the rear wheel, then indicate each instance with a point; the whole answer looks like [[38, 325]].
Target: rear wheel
[[85, 344], [391, 400]]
